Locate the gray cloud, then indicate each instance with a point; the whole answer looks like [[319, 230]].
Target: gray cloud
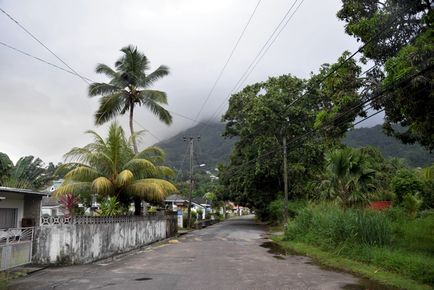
[[44, 111]]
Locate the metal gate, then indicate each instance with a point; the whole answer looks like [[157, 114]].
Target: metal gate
[[15, 247]]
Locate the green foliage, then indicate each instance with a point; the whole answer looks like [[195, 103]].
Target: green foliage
[[413, 155], [412, 203], [397, 35], [348, 177], [109, 167], [152, 210], [29, 172], [406, 182], [390, 240], [110, 207], [329, 226], [275, 211]]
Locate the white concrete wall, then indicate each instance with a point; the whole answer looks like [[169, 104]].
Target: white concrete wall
[[13, 200], [84, 243]]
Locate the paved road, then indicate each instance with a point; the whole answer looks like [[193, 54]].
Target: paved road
[[229, 255]]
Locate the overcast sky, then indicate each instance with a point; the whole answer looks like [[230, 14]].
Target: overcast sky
[[44, 111]]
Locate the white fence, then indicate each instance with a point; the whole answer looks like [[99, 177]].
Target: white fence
[[15, 247], [84, 220]]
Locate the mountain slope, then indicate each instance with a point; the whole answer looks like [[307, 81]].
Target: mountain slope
[[213, 149]]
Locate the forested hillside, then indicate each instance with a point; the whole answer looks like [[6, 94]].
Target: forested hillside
[[414, 155], [214, 149]]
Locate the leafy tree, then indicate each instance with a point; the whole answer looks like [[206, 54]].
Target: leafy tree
[[336, 90], [348, 177], [109, 167], [260, 115], [397, 36], [29, 172], [129, 87]]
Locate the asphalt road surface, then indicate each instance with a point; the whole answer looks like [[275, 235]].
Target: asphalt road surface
[[234, 254]]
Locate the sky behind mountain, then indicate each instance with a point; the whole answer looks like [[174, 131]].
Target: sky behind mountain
[[44, 111]]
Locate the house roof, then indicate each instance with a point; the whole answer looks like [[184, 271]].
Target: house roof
[[21, 191], [175, 197]]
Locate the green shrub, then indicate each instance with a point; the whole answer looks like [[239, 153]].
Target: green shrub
[[406, 182], [412, 203], [275, 211]]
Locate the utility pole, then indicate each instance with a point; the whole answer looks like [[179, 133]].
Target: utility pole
[[191, 144], [285, 180]]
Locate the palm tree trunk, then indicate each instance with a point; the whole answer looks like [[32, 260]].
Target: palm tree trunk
[[132, 129], [137, 200]]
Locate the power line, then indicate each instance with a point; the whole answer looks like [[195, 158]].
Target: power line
[[227, 61], [90, 80], [313, 130], [269, 46], [388, 26], [39, 59], [41, 43], [256, 57]]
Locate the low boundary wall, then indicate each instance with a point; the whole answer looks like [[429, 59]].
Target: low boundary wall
[[84, 240]]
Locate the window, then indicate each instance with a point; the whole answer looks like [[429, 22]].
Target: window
[[8, 217]]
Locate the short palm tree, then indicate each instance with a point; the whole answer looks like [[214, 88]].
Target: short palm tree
[[348, 176], [128, 88], [109, 167]]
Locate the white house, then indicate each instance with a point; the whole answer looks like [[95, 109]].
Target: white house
[[19, 207]]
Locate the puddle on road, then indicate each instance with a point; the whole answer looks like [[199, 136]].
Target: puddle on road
[[277, 250], [143, 279], [279, 253]]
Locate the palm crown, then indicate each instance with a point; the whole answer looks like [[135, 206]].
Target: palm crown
[[109, 167], [128, 88]]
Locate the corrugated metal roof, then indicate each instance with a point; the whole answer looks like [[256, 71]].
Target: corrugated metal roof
[[21, 190]]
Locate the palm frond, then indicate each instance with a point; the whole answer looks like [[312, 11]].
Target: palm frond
[[152, 189], [158, 111], [75, 187], [105, 69], [125, 177], [141, 168], [109, 107], [166, 171], [96, 89], [159, 73], [83, 174], [103, 186], [154, 154], [153, 96]]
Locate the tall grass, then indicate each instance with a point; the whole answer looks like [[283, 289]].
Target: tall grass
[[329, 225], [390, 240]]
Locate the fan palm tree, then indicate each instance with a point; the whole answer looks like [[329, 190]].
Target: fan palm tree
[[128, 88], [348, 176], [109, 167]]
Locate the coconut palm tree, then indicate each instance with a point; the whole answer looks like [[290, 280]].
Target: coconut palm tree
[[128, 88], [109, 167]]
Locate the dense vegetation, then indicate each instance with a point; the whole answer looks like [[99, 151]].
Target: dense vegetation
[[337, 191], [412, 154]]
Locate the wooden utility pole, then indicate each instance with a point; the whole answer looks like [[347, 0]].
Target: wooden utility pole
[[285, 181]]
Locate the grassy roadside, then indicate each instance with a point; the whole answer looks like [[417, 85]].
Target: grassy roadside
[[368, 271]]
